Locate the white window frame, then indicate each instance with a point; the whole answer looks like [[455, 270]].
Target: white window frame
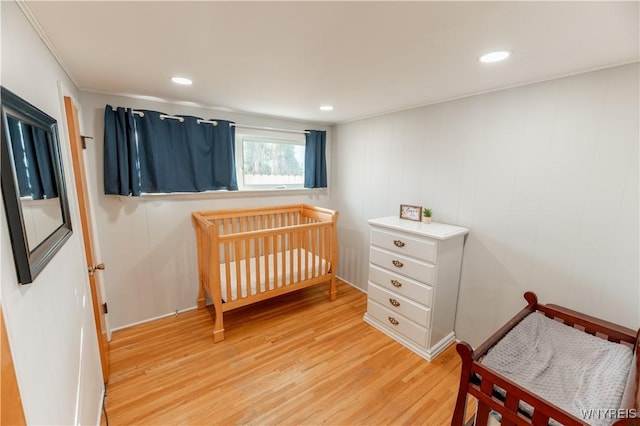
[[289, 139]]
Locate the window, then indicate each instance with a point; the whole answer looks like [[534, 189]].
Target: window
[[269, 163]]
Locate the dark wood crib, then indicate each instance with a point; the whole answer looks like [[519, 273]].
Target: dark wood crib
[[500, 399]]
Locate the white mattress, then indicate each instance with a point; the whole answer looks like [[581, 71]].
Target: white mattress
[[299, 274]]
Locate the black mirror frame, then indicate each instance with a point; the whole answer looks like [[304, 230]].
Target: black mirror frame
[[30, 263]]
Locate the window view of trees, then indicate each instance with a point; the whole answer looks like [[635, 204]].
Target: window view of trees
[[272, 163]]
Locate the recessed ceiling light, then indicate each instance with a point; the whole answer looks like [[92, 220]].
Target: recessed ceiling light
[[181, 80], [326, 108], [499, 55]]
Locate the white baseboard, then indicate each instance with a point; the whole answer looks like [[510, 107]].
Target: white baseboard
[[154, 318], [351, 284]]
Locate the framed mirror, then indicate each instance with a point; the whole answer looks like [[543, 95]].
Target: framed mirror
[[33, 186]]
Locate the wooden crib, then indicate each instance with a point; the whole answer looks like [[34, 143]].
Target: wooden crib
[[498, 395], [250, 255]]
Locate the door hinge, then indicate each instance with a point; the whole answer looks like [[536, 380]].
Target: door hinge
[[106, 309], [84, 140]]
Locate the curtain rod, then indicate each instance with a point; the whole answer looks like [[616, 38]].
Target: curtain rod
[[273, 129], [215, 123]]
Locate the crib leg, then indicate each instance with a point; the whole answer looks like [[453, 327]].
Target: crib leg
[[201, 301], [218, 326], [218, 335], [333, 290]]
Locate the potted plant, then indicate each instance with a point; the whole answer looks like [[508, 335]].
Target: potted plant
[[426, 216]]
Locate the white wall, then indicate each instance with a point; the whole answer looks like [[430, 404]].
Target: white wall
[[148, 243], [545, 176], [49, 322]]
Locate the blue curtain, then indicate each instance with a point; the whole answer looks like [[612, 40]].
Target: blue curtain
[[315, 161], [121, 160], [153, 155], [33, 160]]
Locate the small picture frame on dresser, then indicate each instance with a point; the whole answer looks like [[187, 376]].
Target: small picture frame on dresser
[[410, 212]]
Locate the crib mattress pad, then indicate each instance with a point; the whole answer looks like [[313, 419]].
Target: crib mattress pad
[[572, 369]]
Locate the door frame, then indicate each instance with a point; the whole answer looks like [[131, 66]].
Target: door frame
[[89, 236]]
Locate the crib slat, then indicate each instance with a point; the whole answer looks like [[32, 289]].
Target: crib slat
[[539, 418], [267, 268], [321, 249], [257, 255], [227, 262], [511, 403], [299, 249], [299, 252], [482, 415], [247, 263], [283, 248], [287, 251], [327, 252], [309, 254], [314, 250], [305, 261], [236, 256], [317, 255], [292, 267], [274, 240]]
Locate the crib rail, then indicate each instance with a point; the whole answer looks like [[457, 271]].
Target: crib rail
[[248, 255], [244, 220]]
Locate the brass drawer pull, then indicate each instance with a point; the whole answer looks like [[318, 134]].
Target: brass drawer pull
[[396, 283], [393, 321], [398, 243], [394, 302], [397, 263]]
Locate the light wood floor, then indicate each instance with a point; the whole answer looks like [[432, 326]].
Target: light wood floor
[[298, 359]]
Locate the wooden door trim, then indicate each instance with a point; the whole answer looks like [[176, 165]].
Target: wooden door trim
[[11, 410], [73, 127]]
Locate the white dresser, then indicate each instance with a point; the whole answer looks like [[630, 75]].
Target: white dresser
[[414, 274]]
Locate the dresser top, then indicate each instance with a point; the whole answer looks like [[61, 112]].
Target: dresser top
[[437, 231]]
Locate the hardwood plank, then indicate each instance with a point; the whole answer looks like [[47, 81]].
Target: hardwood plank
[[295, 359]]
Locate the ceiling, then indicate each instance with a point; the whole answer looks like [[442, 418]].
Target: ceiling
[[364, 58]]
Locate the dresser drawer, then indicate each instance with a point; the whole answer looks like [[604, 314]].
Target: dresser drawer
[[401, 305], [423, 272], [397, 322], [421, 293], [423, 249]]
